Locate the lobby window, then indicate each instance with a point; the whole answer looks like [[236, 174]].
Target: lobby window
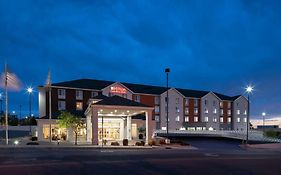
[[186, 111], [94, 94], [221, 104], [206, 111], [215, 111], [157, 109], [157, 100], [221, 119], [79, 106], [177, 118], [186, 119], [238, 112], [195, 110], [195, 102], [137, 98], [215, 119], [177, 100], [61, 93], [177, 109], [229, 112], [195, 119], [157, 118], [79, 95], [206, 119], [238, 119], [229, 119], [61, 105], [186, 102]]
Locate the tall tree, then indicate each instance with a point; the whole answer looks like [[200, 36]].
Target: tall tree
[[67, 120]]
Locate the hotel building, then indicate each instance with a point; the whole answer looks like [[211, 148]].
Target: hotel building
[[127, 110]]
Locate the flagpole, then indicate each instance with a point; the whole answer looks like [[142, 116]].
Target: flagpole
[[6, 112]]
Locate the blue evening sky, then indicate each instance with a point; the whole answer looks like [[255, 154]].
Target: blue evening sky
[[208, 44]]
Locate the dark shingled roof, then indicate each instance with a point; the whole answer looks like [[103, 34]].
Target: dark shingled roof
[[55, 115], [223, 97], [192, 93], [145, 89], [119, 101], [85, 84], [99, 97], [235, 97]]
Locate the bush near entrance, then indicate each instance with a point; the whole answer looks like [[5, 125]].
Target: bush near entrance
[[125, 142], [272, 133]]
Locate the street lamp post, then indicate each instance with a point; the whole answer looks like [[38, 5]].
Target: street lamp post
[[263, 121], [30, 90], [249, 90], [167, 71]]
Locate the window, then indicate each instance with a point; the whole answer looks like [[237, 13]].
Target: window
[[61, 105], [195, 119], [164, 128], [157, 118], [214, 103], [177, 100], [238, 119], [94, 94], [79, 106], [186, 102], [229, 119], [215, 111], [124, 95], [206, 111], [177, 118], [157, 109], [229, 105], [177, 109], [166, 99], [245, 112], [221, 119], [157, 100], [61, 93], [79, 95], [237, 104], [229, 112], [238, 112], [221, 104], [206, 119], [186, 119], [206, 102], [245, 119], [215, 119], [137, 98], [221, 111], [195, 102], [186, 111], [195, 110]]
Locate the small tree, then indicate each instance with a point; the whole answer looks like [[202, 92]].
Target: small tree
[[67, 120]]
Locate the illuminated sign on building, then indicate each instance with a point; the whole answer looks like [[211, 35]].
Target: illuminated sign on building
[[118, 90]]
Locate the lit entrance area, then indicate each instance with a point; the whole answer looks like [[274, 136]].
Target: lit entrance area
[[111, 119]]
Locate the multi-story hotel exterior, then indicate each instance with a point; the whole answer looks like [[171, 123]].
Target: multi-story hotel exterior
[[127, 110]]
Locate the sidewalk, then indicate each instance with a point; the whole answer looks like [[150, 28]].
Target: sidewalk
[[272, 146]]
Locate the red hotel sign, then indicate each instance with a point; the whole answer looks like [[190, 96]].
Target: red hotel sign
[[118, 90]]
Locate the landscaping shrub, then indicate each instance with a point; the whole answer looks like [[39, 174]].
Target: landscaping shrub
[[32, 143], [151, 142], [33, 138], [141, 143], [161, 141], [125, 142], [272, 133], [115, 144]]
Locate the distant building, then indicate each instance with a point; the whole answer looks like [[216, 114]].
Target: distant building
[[269, 123], [127, 108]]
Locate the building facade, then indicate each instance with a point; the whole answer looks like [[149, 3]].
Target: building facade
[[95, 101]]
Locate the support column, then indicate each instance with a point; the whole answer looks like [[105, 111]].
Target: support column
[[148, 127], [95, 129], [122, 129], [129, 127]]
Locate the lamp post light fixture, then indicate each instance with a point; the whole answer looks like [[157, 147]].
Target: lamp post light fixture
[[249, 90], [263, 121], [30, 90], [167, 71]]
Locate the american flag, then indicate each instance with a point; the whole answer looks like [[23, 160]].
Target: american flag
[[11, 79]]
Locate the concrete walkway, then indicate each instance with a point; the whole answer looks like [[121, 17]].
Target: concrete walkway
[[273, 146]]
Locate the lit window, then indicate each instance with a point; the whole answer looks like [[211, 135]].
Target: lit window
[[245, 119], [229, 112], [215, 119], [221, 104], [164, 128], [177, 118], [157, 100], [215, 111], [137, 98], [206, 111], [229, 104], [177, 109], [157, 109], [206, 119], [61, 105], [245, 112], [195, 110], [195, 102], [195, 119], [186, 119], [79, 95], [186, 102], [79, 106], [186, 111], [61, 93], [221, 111], [229, 120], [221, 119], [238, 112], [238, 119], [157, 118], [177, 100]]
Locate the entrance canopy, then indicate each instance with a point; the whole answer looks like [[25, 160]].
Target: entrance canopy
[[116, 107]]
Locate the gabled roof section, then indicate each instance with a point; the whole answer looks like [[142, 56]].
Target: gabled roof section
[[223, 97], [119, 101], [145, 89], [85, 84], [99, 97], [192, 93], [238, 96]]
